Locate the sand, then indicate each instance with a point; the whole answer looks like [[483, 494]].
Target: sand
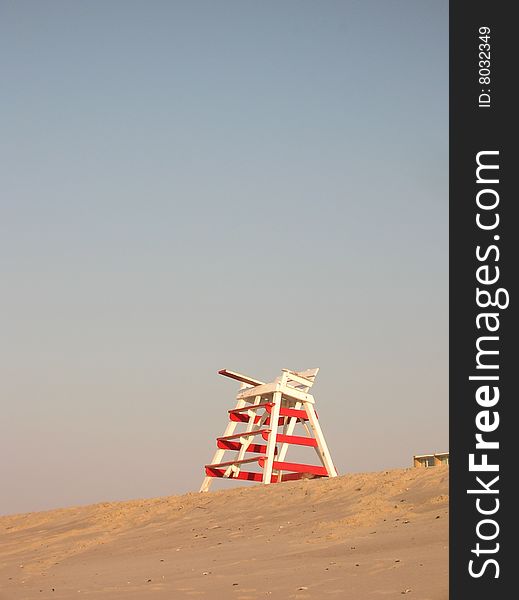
[[374, 535]]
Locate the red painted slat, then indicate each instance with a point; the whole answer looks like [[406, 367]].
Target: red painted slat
[[290, 412], [299, 440], [235, 462], [230, 445], [300, 468], [239, 414], [297, 467], [241, 418], [243, 433], [250, 476]]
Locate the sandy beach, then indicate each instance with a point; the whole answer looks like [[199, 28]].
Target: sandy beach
[[365, 535]]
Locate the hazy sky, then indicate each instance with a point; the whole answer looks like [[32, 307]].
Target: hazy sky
[[190, 185]]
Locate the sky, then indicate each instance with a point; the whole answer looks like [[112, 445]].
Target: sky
[[191, 186]]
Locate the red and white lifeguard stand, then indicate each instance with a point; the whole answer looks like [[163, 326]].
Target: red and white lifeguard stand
[[270, 412]]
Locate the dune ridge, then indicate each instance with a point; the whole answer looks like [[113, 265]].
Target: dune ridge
[[361, 535]]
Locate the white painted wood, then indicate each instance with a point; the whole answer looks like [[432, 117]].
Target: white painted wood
[[294, 380], [292, 422], [250, 427], [289, 390], [293, 394], [308, 373], [321, 442], [271, 443], [268, 389], [288, 429], [264, 390], [310, 433], [220, 452]]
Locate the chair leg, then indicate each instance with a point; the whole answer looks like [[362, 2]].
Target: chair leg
[[321, 443], [219, 454], [271, 444]]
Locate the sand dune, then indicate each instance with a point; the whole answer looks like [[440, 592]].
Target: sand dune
[[374, 535]]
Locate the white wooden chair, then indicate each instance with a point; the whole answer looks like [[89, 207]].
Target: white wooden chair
[[264, 408]]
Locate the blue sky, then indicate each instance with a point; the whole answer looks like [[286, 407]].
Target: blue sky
[[187, 186]]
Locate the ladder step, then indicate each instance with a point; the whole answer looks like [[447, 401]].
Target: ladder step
[[297, 467], [243, 418], [235, 462], [290, 412], [299, 440], [235, 436], [248, 475], [251, 407], [251, 476], [240, 414], [230, 445]]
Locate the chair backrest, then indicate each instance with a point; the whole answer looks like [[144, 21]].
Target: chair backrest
[[301, 380]]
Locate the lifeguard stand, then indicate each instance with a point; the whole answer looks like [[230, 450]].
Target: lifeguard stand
[[270, 413]]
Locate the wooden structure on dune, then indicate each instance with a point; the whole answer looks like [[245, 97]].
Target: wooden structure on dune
[[266, 416], [437, 459]]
